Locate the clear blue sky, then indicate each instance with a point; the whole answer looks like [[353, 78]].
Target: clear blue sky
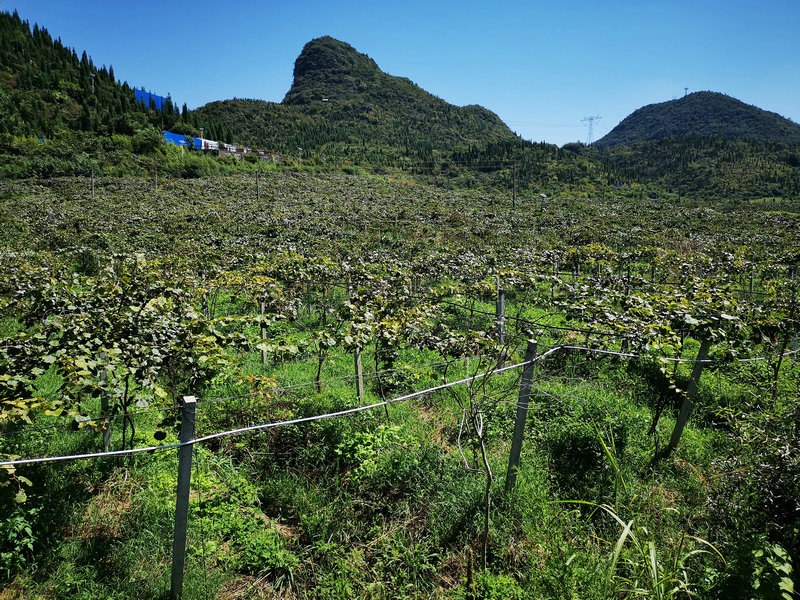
[[542, 66]]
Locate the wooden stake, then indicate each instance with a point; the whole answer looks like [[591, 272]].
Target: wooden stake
[[794, 303], [188, 413], [628, 281], [522, 416], [514, 194]]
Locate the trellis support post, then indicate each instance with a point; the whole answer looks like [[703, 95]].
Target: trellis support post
[[262, 309], [359, 376], [688, 400], [500, 312], [188, 413], [104, 406], [522, 416]]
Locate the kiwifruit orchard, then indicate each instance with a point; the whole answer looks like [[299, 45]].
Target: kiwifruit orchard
[[658, 333]]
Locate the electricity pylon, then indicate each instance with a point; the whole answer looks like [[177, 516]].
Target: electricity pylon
[[591, 121]]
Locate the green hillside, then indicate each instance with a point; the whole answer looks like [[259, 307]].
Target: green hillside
[[707, 144], [702, 114], [712, 166], [341, 104], [62, 114], [47, 89]]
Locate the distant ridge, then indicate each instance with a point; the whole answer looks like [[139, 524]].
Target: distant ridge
[[702, 114]]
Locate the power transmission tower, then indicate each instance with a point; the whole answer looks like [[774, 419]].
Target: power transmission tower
[[685, 91], [591, 121]]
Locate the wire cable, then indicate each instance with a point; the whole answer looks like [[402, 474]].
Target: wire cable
[[264, 426], [350, 411]]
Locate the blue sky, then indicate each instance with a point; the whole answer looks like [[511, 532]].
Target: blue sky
[[542, 66]]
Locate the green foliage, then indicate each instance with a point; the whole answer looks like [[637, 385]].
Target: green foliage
[[772, 577], [381, 460], [17, 540], [227, 509], [713, 167], [498, 587], [761, 489], [261, 550], [130, 355], [636, 564]]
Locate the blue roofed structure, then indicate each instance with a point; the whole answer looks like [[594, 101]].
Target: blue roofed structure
[[179, 139], [144, 98]]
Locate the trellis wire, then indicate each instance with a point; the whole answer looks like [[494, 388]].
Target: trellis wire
[[263, 426], [372, 375]]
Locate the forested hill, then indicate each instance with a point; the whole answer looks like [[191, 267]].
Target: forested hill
[[711, 166], [356, 90], [46, 87], [48, 90], [344, 112], [702, 114], [342, 104]]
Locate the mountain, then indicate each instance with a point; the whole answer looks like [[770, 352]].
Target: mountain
[[341, 103], [702, 114], [359, 92]]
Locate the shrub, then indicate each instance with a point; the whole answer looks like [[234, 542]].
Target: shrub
[[16, 540], [577, 460], [383, 459]]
